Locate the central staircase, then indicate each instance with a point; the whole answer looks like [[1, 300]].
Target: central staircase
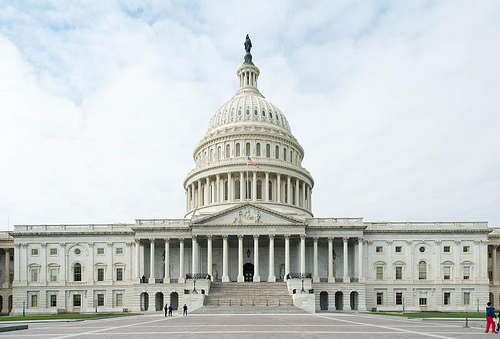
[[248, 298]]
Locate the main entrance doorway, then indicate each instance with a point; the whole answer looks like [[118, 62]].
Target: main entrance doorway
[[248, 272]]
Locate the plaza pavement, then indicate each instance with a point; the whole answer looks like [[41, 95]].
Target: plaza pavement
[[260, 326]]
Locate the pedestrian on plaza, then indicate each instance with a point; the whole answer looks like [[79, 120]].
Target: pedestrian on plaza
[[170, 308], [496, 320], [490, 314], [166, 310], [184, 310]]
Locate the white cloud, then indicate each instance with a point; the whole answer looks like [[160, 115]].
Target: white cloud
[[102, 105]]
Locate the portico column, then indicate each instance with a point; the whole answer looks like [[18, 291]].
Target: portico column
[[303, 195], [166, 278], [242, 187], [152, 261], [278, 188], [209, 256], [288, 190], [217, 189], [272, 277], [315, 260], [137, 260], [17, 267], [7, 267], [194, 254], [212, 193], [331, 278], [297, 202], [182, 278], [254, 186], [225, 277], [256, 276], [43, 271], [360, 260], [287, 256], [198, 204], [346, 261], [241, 278], [495, 269], [302, 254], [266, 192], [229, 187]]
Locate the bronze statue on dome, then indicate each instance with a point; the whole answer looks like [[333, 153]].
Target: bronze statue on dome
[[248, 44]]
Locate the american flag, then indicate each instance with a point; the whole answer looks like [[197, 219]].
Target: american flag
[[251, 163]]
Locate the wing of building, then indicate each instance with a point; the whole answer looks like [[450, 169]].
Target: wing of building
[[249, 239]]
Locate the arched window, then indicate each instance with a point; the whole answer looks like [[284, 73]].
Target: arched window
[[257, 149], [226, 190], [286, 193], [268, 150], [270, 185], [77, 272], [422, 270], [259, 189], [211, 155], [277, 152], [293, 195], [291, 154], [247, 149], [210, 193], [237, 189], [228, 151], [237, 150], [284, 154], [219, 153]]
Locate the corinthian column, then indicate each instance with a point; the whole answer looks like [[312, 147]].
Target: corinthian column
[[272, 277], [209, 256], [182, 278], [331, 278], [315, 260], [302, 254], [241, 278], [166, 278], [256, 275], [152, 261], [346, 261], [287, 256], [225, 277]]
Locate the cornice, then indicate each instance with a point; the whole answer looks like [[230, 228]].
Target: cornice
[[450, 231], [45, 234]]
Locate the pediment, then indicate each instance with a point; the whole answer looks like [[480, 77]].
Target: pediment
[[247, 214]]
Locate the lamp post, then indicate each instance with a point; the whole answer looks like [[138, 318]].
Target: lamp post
[[194, 287], [404, 305], [24, 309], [302, 290]]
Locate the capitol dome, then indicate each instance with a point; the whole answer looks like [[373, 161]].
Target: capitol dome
[[248, 155]]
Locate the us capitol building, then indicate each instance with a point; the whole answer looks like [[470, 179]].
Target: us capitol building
[[249, 240]]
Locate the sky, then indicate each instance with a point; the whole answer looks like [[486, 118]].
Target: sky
[[396, 104]]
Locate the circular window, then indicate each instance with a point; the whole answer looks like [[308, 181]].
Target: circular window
[[78, 251], [422, 249]]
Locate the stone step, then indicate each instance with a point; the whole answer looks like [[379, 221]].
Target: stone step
[[249, 301], [248, 310]]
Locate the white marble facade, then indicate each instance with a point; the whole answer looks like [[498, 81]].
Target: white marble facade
[[249, 223]]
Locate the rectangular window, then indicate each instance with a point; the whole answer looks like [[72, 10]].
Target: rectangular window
[[380, 272], [100, 274], [34, 300], [466, 272], [380, 298], [446, 298], [446, 249], [399, 272], [34, 251], [422, 301], [77, 300], [379, 249], [119, 300], [399, 249], [399, 298], [466, 298], [34, 274], [53, 251], [119, 274], [53, 300], [53, 274], [466, 249], [100, 250], [119, 250], [446, 272], [100, 299]]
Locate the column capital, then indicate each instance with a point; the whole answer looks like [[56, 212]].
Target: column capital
[[167, 240], [345, 239], [224, 236], [91, 244], [331, 238], [287, 236], [302, 236], [62, 244], [209, 236], [194, 237], [256, 236], [152, 240], [360, 239], [437, 241], [240, 236], [17, 245], [181, 240], [457, 242], [271, 236], [137, 240], [24, 244], [109, 243], [316, 239], [129, 243], [43, 244]]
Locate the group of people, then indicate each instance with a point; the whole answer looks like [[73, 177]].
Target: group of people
[[492, 319], [168, 310]]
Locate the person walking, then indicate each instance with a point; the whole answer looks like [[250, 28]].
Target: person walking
[[170, 308], [184, 310], [166, 310], [490, 314]]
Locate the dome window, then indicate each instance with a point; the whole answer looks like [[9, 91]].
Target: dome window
[[239, 112], [270, 114], [232, 113], [263, 113], [255, 112], [248, 112]]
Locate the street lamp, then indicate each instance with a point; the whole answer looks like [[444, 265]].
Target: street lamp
[[194, 287], [302, 290]]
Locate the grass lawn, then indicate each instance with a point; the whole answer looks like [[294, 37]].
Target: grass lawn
[[65, 316], [432, 314]]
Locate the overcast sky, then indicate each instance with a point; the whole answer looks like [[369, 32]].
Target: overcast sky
[[396, 104]]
